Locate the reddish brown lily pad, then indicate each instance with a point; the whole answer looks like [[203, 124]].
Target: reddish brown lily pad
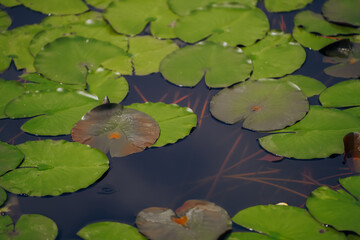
[[352, 151]]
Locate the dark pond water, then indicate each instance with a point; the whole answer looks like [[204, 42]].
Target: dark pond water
[[198, 167]]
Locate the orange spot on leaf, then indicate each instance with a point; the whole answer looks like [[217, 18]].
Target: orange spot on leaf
[[114, 135], [256, 108], [182, 221]]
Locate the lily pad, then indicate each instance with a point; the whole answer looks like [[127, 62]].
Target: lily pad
[[56, 111], [67, 60], [352, 151], [5, 21], [353, 237], [56, 7], [111, 127], [131, 16], [8, 91], [3, 197], [29, 226], [354, 111], [90, 17], [283, 222], [196, 219], [285, 6], [309, 86], [175, 122], [342, 94], [275, 56], [336, 208], [55, 167], [342, 11], [9, 3], [318, 135], [101, 4], [351, 184], [222, 66], [110, 231], [261, 104], [234, 24], [248, 236], [10, 157]]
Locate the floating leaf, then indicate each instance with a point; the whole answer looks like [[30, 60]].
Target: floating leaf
[[260, 104], [3, 197], [8, 91], [175, 122], [110, 231], [222, 66], [111, 127], [336, 208], [55, 167], [275, 56], [318, 135], [353, 237], [101, 4], [311, 40], [342, 11], [10, 157], [285, 6], [37, 82], [282, 222], [5, 21], [342, 94], [90, 17], [131, 16], [56, 7], [248, 236], [195, 219], [57, 111], [354, 111], [309, 86], [9, 3], [352, 151], [351, 184], [234, 24]]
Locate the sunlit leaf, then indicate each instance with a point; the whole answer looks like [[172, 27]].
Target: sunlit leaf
[[3, 197], [9, 3], [101, 4], [283, 222], [354, 111], [10, 157], [351, 184], [234, 24], [8, 91], [285, 5], [248, 236], [318, 135], [222, 66], [55, 167], [352, 151], [260, 104], [5, 21], [175, 122], [309, 86], [110, 231], [90, 17], [56, 7], [342, 11], [342, 94]]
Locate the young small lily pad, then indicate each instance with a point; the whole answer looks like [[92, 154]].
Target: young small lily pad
[[342, 94], [309, 86], [222, 66], [56, 7], [8, 91], [111, 127], [261, 104], [195, 219], [10, 157], [5, 21], [285, 5], [342, 11], [110, 231], [55, 167]]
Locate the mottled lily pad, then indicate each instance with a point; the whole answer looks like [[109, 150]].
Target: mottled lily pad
[[110, 231], [222, 66], [337, 208], [234, 24], [342, 94], [275, 56], [5, 21], [342, 11], [9, 3], [318, 135], [195, 219], [101, 4], [56, 7], [309, 86], [8, 91], [111, 127], [10, 157], [352, 151], [55, 167], [131, 16], [175, 122], [285, 5], [29, 226], [283, 222], [261, 104], [90, 17]]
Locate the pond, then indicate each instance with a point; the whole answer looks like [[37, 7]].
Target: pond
[[218, 162]]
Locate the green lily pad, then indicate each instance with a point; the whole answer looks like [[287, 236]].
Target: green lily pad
[[110, 231], [318, 135], [101, 4], [3, 197], [275, 56], [29, 226], [285, 6], [9, 3], [342, 11], [55, 167], [67, 60], [353, 237], [131, 16], [283, 222], [342, 94], [56, 111], [309, 86], [185, 7], [234, 24], [311, 40], [337, 208], [354, 111], [248, 236], [5, 21], [175, 122], [222, 66], [8, 91], [351, 184], [260, 104], [55, 7], [10, 157], [90, 17]]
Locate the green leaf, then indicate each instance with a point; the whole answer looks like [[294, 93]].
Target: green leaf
[[5, 21], [56, 111], [318, 135], [351, 184], [233, 24], [283, 222], [9, 3], [342, 94], [101, 4], [342, 11], [222, 66], [309, 86], [55, 7], [8, 91], [10, 157], [74, 166], [353, 111], [131, 16], [6, 224], [3, 197], [110, 231], [90, 17], [175, 122], [275, 56], [285, 5], [353, 237], [248, 236], [311, 40]]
